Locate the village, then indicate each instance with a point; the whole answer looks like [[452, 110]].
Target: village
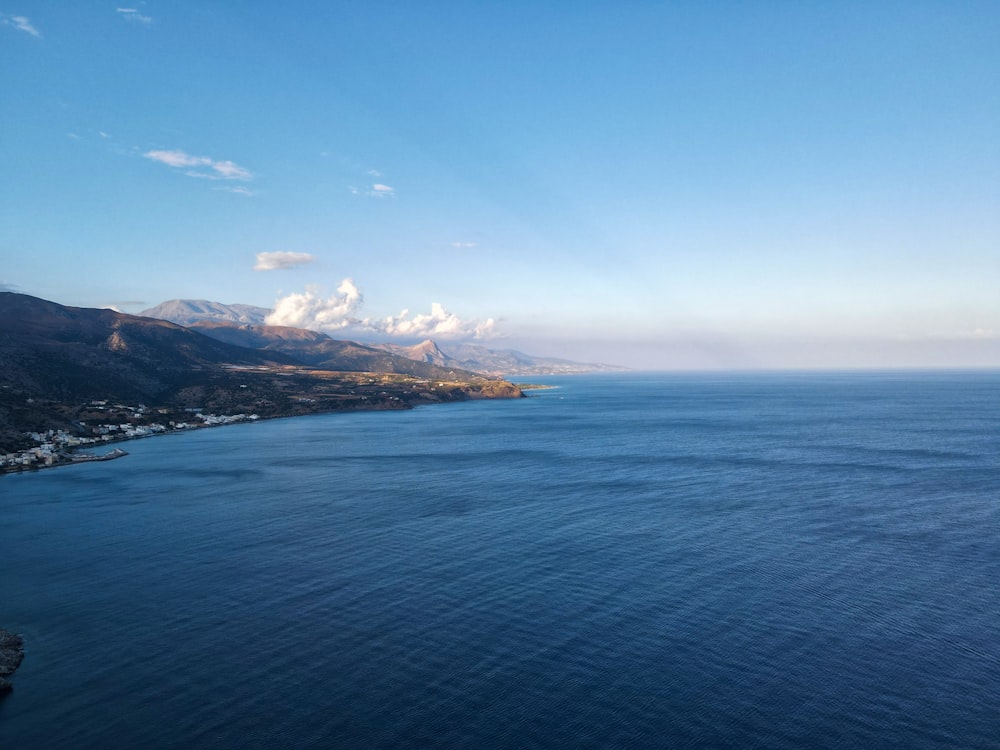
[[60, 447]]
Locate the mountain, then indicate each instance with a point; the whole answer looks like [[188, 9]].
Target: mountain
[[494, 362], [319, 350], [186, 312], [73, 352], [426, 351], [52, 355]]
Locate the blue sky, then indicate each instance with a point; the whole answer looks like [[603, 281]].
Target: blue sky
[[662, 185]]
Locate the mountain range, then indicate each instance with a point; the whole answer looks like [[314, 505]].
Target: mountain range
[[319, 350], [55, 359], [246, 325]]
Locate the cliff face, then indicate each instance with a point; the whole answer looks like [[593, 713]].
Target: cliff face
[[496, 389]]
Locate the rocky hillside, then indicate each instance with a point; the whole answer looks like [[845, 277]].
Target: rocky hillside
[[320, 350]]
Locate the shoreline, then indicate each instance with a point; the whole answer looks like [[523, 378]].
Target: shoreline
[[72, 455]]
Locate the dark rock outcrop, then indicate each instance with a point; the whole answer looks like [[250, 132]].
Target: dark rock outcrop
[[11, 654]]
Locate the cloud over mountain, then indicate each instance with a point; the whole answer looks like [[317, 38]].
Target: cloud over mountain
[[312, 310], [439, 323], [309, 309]]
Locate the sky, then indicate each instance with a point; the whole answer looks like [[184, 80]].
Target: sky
[[660, 185]]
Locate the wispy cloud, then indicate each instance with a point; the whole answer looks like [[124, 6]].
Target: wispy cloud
[[239, 190], [280, 260], [310, 309], [21, 23], [197, 165], [463, 245], [374, 173], [132, 15], [378, 190], [5, 287]]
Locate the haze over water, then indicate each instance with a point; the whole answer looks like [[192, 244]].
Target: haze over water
[[775, 561]]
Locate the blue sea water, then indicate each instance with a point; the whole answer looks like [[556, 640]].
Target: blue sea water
[[683, 561]]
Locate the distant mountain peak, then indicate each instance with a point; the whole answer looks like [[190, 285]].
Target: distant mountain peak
[[426, 351]]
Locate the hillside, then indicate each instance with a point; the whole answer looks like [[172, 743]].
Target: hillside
[[319, 350], [74, 353], [56, 360]]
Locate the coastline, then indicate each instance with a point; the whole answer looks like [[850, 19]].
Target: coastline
[[72, 454]]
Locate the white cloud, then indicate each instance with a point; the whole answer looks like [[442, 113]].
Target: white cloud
[[282, 259], [378, 190], [218, 170], [21, 23], [310, 310], [438, 323], [132, 15], [5, 287], [374, 173], [463, 245]]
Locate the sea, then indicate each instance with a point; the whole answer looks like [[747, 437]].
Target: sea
[[737, 560]]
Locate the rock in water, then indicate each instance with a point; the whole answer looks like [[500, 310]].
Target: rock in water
[[11, 654]]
